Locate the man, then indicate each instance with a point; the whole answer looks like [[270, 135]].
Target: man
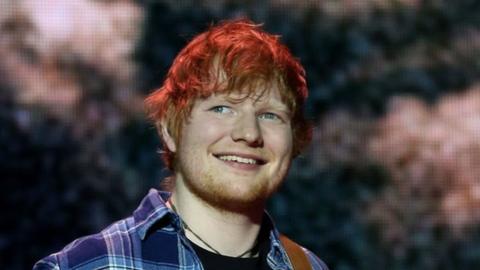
[[230, 118]]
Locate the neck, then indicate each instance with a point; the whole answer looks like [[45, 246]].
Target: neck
[[229, 233]]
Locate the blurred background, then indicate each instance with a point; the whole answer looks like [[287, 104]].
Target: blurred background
[[391, 180]]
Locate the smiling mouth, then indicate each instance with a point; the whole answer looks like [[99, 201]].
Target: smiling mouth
[[241, 160]]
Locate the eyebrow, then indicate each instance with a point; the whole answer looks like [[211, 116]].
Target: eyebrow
[[283, 108], [274, 104]]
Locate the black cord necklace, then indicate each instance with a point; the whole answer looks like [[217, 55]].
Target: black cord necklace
[[186, 227]]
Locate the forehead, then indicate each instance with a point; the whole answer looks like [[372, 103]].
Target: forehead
[[261, 97], [241, 85]]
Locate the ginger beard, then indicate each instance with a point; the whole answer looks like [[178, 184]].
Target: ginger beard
[[224, 193]]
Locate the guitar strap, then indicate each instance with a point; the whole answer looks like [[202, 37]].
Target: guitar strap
[[295, 253]]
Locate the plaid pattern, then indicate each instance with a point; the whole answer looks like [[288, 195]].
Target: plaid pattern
[[150, 239]]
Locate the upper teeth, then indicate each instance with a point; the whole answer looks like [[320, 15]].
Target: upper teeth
[[238, 159]]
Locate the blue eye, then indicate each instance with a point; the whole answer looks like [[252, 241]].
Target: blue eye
[[269, 116], [220, 109]]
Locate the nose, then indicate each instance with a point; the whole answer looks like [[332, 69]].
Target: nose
[[247, 129]]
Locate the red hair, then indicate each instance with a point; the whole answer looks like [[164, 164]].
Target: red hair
[[230, 56]]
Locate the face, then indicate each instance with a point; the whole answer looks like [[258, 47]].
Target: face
[[234, 151]]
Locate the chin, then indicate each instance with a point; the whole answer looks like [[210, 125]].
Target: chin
[[237, 204], [230, 198]]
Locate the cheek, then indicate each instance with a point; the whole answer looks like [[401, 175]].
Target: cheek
[[203, 134], [214, 130], [280, 141]]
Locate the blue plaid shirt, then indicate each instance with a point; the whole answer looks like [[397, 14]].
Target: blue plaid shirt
[[150, 239]]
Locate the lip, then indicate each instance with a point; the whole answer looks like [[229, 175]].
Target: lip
[[260, 160]]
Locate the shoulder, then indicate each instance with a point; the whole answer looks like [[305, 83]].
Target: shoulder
[[93, 250], [50, 263], [300, 256], [315, 262]]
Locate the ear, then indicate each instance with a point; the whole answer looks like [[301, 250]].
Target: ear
[[167, 138]]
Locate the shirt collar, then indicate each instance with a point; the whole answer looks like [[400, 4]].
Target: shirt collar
[[277, 252], [153, 208]]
